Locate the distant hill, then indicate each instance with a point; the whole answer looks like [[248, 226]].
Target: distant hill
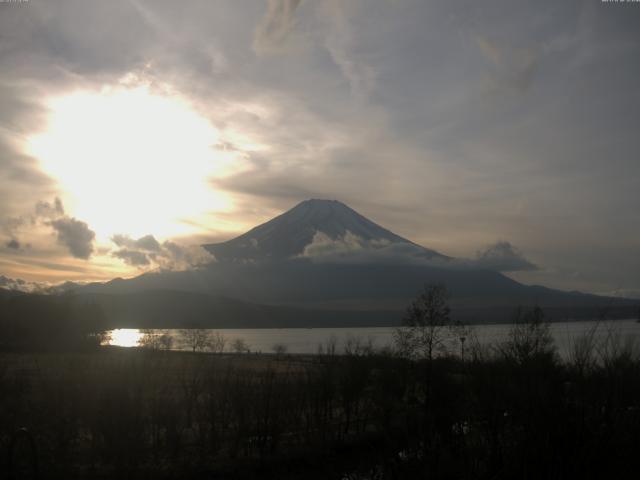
[[323, 264], [175, 309], [300, 293]]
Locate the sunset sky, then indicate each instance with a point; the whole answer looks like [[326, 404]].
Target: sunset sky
[[154, 126]]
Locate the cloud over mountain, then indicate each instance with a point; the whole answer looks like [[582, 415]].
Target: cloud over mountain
[[349, 248], [134, 258], [19, 284], [146, 251], [353, 249], [502, 257], [147, 243], [328, 231], [313, 228]]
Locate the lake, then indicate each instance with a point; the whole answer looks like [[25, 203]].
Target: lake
[[306, 340]]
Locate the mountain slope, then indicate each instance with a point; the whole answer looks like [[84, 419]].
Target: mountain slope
[[176, 309], [265, 277], [287, 235]]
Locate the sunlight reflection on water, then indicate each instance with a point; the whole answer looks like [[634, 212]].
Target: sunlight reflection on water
[[306, 340], [125, 337]]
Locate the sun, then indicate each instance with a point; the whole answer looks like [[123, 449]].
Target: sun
[[133, 161]]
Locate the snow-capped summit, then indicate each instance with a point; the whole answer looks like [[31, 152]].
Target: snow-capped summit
[[287, 235]]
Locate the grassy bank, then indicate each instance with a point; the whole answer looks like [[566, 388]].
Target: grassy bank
[[119, 413]]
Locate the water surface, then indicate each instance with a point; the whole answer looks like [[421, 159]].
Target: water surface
[[307, 340]]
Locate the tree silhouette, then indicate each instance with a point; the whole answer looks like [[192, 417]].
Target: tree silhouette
[[239, 345], [425, 323], [529, 338], [196, 339]]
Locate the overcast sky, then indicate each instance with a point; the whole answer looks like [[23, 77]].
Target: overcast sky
[[457, 124]]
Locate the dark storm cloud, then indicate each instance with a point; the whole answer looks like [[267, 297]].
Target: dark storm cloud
[[75, 235]]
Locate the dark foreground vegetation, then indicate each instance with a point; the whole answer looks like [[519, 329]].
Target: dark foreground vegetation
[[439, 405], [511, 411], [50, 322]]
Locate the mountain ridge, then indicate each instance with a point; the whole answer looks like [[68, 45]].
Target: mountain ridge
[[290, 233], [277, 280]]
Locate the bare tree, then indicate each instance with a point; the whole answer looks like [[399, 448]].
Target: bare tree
[[196, 339], [328, 347], [156, 339], [582, 353], [240, 346], [614, 349], [356, 346], [279, 349], [424, 331], [165, 340], [529, 337], [218, 342]]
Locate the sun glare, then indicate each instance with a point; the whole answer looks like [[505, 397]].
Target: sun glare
[[131, 161]]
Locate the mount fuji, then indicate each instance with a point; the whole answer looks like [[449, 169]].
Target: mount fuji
[[314, 221], [323, 264]]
